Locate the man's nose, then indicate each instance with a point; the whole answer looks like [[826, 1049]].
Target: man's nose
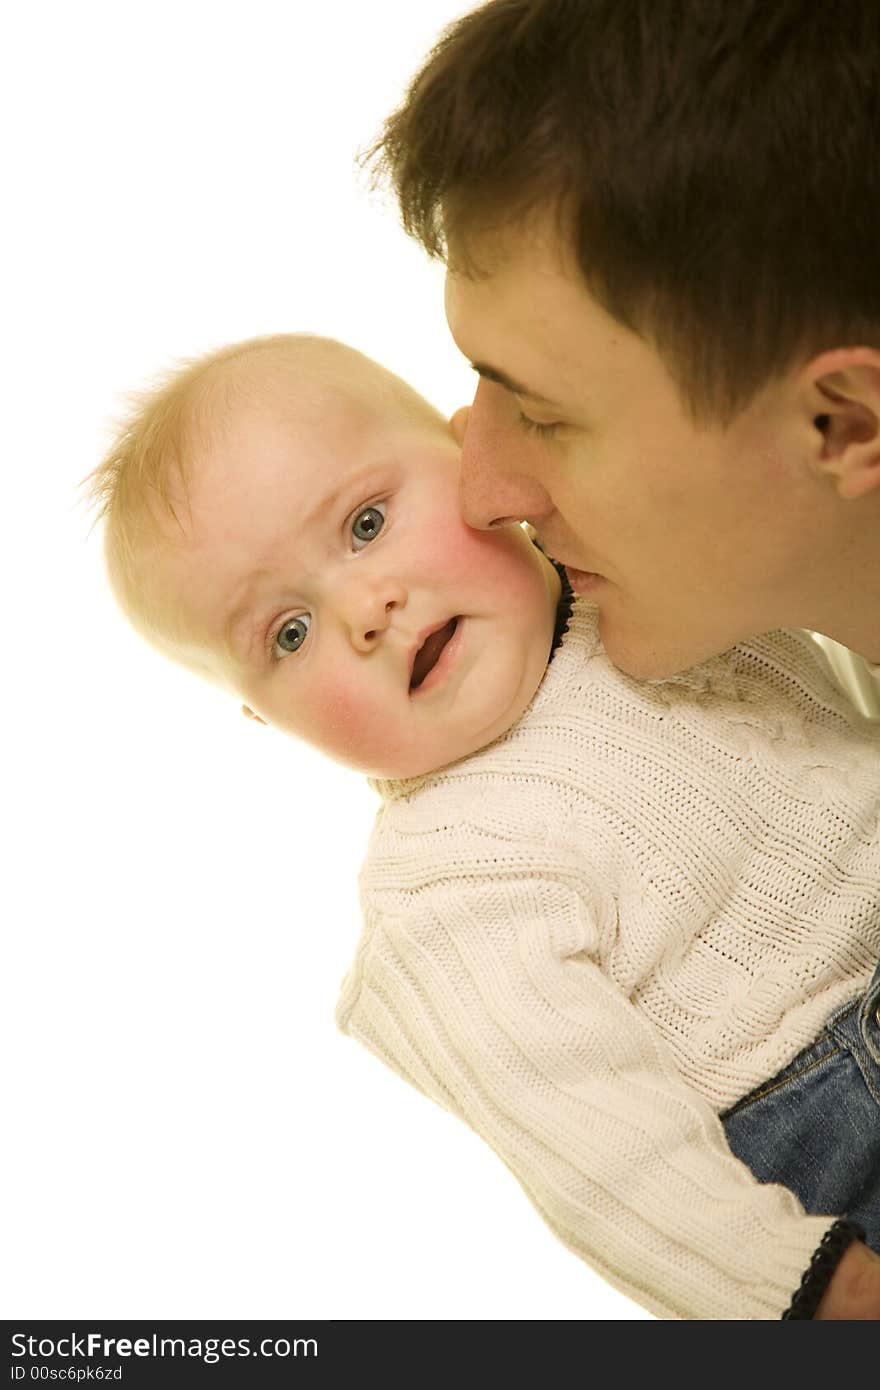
[[496, 484], [367, 607]]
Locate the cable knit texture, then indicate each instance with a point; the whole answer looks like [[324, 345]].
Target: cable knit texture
[[597, 933]]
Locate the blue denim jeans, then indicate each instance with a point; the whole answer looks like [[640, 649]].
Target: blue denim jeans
[[815, 1126]]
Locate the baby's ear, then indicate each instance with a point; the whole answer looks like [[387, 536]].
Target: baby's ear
[[458, 423], [249, 714]]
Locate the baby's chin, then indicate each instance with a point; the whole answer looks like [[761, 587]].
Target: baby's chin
[[404, 765], [516, 690], [408, 769]]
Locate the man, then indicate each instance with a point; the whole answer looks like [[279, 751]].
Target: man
[[660, 220]]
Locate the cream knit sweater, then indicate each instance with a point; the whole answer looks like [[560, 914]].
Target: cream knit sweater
[[596, 934]]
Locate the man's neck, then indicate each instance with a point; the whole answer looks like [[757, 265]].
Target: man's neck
[[848, 606]]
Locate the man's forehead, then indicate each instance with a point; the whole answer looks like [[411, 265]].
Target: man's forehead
[[500, 322], [538, 241], [509, 280]]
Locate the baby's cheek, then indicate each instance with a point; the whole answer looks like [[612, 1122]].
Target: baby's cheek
[[507, 563], [349, 727], [450, 550]]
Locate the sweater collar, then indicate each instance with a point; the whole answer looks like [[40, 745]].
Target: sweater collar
[[563, 607]]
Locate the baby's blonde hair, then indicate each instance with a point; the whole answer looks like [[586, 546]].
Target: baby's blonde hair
[[141, 482]]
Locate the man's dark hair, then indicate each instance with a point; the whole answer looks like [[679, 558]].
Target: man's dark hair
[[715, 163]]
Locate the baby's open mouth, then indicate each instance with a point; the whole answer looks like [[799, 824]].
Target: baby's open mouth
[[428, 653]]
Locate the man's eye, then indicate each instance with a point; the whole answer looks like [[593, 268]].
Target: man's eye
[[291, 635], [367, 525], [535, 427]]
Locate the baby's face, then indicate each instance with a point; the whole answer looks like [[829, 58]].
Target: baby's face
[[328, 570]]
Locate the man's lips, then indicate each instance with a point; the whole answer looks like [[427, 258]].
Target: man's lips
[[582, 581], [429, 651]]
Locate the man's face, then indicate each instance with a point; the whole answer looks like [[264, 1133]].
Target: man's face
[[327, 568], [687, 538]]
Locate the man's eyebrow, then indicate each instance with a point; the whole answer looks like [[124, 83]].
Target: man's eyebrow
[[517, 388]]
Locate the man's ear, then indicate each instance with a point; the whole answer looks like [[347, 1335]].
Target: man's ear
[[458, 423], [844, 387], [249, 714]]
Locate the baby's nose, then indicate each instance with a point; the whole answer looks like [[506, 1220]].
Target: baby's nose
[[372, 612]]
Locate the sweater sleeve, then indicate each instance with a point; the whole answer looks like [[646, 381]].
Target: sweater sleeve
[[488, 997]]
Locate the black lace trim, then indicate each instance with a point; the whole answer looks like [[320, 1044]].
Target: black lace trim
[[563, 608], [837, 1239]]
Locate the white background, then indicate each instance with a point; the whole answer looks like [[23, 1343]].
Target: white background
[[187, 1134]]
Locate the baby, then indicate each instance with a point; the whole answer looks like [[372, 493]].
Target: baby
[[628, 932]]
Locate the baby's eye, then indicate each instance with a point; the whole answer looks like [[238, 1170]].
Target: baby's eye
[[367, 524], [292, 634]]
